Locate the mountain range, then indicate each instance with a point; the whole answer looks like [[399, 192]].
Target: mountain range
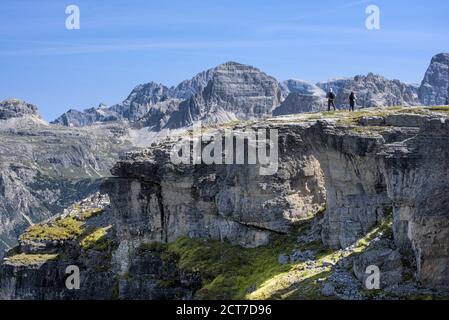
[[233, 91]]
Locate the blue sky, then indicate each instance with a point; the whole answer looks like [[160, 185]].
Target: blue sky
[[123, 43]]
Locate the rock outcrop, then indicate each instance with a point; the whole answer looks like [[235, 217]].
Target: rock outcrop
[[38, 254], [15, 108], [434, 89]]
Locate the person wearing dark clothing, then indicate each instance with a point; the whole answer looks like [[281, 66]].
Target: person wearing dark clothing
[[352, 100], [330, 100]]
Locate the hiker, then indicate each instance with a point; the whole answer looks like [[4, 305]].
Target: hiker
[[352, 100], [330, 100]]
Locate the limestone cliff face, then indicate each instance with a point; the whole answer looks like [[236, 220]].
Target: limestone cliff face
[[364, 175], [415, 171], [402, 170], [157, 200], [363, 167]]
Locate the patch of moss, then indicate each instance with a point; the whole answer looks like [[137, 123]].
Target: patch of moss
[[28, 259], [421, 297], [96, 238], [440, 109], [232, 272], [59, 229], [227, 271]]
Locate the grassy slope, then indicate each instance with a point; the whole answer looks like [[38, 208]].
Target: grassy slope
[[233, 272]]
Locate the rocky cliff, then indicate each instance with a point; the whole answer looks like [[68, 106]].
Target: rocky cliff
[[435, 85], [376, 172], [45, 168]]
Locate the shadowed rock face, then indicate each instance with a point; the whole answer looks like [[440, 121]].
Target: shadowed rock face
[[435, 85]]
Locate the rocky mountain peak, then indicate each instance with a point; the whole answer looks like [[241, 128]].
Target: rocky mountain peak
[[16, 108], [235, 91], [148, 93], [435, 85]]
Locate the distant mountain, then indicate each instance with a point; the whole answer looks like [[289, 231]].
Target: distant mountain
[[146, 102], [373, 91], [434, 89], [188, 88], [133, 108], [302, 96], [302, 87], [235, 91], [300, 103], [335, 84]]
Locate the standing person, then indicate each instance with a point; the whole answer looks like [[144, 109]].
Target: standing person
[[330, 100], [352, 100]]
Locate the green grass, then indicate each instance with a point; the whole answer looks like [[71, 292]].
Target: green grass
[[29, 259], [232, 272], [227, 270], [96, 239], [440, 109], [60, 229]]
